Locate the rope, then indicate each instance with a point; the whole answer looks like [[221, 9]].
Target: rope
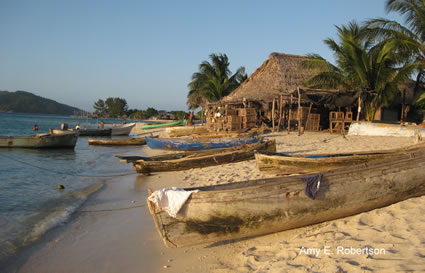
[[57, 172]]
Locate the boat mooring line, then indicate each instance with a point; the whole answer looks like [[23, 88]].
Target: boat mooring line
[[47, 170]]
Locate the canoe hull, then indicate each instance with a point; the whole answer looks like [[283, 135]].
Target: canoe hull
[[303, 164], [258, 207], [191, 161], [118, 142], [194, 145], [122, 130], [95, 132], [40, 141], [168, 124]]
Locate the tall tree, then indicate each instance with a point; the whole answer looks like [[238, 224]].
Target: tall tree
[[213, 81], [361, 65], [116, 106], [100, 107]]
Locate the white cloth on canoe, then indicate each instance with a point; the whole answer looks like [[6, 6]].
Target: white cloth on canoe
[[170, 199]]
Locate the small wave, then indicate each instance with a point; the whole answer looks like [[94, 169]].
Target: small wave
[[52, 214]]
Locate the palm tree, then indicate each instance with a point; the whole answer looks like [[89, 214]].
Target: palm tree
[[370, 69], [409, 39], [213, 81]]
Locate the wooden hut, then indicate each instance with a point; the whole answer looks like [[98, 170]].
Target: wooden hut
[[273, 95]]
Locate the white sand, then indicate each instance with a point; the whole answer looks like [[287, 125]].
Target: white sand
[[126, 240]]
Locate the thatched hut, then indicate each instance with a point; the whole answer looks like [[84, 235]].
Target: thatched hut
[[274, 95]]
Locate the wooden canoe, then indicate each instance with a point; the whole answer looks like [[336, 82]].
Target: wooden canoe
[[258, 207], [40, 141], [118, 141], [185, 161], [190, 144], [301, 164], [186, 130]]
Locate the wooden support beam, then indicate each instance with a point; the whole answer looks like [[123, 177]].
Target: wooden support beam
[[273, 115], [299, 111], [289, 118], [280, 113]]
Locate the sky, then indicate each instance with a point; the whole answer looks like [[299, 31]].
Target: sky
[[79, 51]]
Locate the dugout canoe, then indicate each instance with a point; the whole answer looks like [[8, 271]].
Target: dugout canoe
[[185, 161], [190, 144], [65, 140], [168, 124], [257, 207], [186, 130], [118, 141], [283, 163]]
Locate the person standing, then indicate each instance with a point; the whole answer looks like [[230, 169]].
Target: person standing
[[102, 124]]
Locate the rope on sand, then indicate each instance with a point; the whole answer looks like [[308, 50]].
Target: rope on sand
[[63, 173]]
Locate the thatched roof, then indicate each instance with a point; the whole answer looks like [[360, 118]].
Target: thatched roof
[[280, 74]]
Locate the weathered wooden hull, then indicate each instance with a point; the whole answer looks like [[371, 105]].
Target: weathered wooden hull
[[95, 132], [362, 128], [189, 161], [258, 207], [193, 145], [303, 164], [40, 141], [118, 141], [122, 130], [186, 131]]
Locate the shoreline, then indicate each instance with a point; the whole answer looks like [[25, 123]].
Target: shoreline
[[116, 239]]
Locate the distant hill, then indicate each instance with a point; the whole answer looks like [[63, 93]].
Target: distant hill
[[26, 102]]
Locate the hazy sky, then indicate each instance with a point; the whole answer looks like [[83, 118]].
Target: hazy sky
[[77, 51]]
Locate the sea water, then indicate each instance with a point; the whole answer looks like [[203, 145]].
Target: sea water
[[30, 201]]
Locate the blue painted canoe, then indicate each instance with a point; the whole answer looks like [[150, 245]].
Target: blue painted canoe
[[194, 145]]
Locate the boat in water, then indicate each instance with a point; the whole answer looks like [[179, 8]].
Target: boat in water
[[40, 141], [190, 144], [199, 159], [123, 130], [230, 211]]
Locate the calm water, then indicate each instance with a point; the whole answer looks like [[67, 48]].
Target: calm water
[[30, 203]]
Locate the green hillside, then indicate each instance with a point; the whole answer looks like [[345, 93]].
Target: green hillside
[[25, 102]]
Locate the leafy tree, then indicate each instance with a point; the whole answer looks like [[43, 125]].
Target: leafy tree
[[409, 38], [361, 65], [137, 115], [213, 81], [116, 106], [150, 112], [100, 107]]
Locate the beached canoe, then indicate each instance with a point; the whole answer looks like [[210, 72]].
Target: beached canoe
[[168, 124], [252, 208], [122, 130], [190, 144], [39, 141], [118, 141], [283, 163], [190, 160], [186, 130]]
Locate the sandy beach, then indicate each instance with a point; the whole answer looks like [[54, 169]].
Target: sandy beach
[[113, 231]]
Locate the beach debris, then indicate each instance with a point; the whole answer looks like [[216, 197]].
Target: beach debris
[[61, 187], [166, 266]]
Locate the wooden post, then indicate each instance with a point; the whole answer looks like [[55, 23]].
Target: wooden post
[[273, 115], [289, 118], [308, 115], [299, 111], [359, 108], [280, 113]]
